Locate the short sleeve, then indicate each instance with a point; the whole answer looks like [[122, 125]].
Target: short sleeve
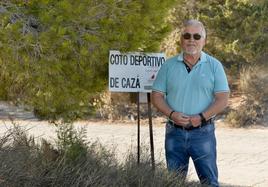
[[160, 83], [221, 83]]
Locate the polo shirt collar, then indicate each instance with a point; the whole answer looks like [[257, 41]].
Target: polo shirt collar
[[202, 57]]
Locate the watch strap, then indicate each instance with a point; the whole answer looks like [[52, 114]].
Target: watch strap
[[170, 114]]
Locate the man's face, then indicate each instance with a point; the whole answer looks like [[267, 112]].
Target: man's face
[[192, 45]]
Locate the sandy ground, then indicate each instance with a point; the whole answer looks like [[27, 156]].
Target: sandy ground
[[242, 153]]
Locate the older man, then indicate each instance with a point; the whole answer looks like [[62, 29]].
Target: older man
[[190, 89]]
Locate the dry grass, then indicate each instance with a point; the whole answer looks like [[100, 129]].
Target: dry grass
[[73, 162], [253, 85]]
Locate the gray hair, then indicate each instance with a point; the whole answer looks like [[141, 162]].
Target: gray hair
[[194, 22]]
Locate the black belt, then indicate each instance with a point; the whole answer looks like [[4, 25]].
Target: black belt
[[210, 121]]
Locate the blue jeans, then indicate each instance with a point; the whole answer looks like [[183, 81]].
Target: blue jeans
[[200, 145]]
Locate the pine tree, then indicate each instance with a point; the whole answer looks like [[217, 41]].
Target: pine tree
[[54, 54]]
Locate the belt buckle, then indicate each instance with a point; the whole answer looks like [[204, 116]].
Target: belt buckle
[[187, 127]]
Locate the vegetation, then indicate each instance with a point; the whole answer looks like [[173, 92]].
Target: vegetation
[[73, 162], [53, 54], [253, 110]]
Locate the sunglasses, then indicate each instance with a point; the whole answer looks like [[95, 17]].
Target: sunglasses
[[187, 36]]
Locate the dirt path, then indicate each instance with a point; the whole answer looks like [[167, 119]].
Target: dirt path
[[242, 153]]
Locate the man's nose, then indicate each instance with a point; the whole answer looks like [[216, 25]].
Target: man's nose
[[192, 38]]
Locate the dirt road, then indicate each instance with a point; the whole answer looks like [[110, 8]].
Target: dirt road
[[242, 153]]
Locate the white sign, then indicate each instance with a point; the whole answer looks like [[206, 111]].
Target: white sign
[[133, 72]]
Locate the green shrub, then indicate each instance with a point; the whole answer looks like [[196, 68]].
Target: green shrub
[[54, 54], [71, 142]]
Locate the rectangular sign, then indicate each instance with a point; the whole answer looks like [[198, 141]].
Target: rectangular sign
[[133, 72]]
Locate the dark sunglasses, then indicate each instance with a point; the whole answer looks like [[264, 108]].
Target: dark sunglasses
[[188, 36]]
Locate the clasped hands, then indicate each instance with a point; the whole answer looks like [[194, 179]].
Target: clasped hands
[[185, 120]]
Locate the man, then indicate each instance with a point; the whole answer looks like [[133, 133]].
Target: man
[[190, 89]]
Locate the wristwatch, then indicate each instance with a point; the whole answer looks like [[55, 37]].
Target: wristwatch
[[203, 119]]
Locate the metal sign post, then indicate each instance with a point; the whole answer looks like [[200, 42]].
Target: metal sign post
[[138, 129], [151, 129]]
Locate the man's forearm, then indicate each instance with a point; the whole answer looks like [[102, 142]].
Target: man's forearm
[[220, 103], [160, 103]]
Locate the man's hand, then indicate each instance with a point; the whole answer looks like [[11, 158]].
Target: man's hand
[[195, 120], [180, 119], [177, 117]]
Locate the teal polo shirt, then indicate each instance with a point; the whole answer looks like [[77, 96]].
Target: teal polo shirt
[[191, 93]]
